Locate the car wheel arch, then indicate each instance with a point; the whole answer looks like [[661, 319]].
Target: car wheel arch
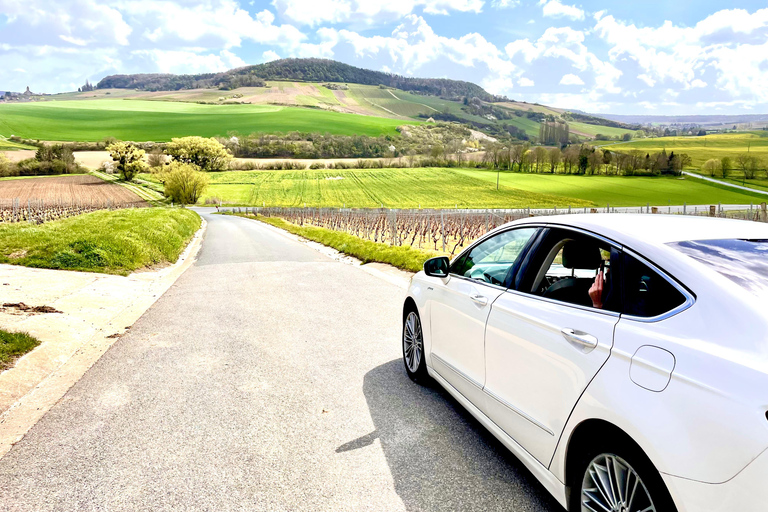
[[408, 306], [585, 436]]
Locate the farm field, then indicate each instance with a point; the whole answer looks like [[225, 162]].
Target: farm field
[[143, 120], [82, 189], [7, 145], [701, 149], [372, 188], [620, 190], [592, 129]]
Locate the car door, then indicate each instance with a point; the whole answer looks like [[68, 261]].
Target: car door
[[460, 306], [543, 346]]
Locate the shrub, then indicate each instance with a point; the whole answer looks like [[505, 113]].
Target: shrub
[[7, 168], [207, 154], [184, 183], [156, 158], [129, 160], [317, 165]]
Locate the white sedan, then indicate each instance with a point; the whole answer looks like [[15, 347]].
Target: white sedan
[[622, 358]]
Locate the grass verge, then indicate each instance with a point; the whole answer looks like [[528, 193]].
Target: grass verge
[[14, 345], [405, 258], [112, 242]]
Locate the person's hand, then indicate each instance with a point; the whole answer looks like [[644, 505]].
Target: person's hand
[[596, 291]]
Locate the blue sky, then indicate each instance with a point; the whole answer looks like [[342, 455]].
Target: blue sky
[[652, 57]]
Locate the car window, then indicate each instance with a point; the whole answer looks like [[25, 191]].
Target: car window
[[491, 260], [574, 268], [745, 262], [647, 293]]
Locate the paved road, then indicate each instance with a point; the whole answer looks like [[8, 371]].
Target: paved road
[[725, 183], [267, 378]]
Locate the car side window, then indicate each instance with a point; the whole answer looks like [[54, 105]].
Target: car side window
[[491, 260], [574, 268], [646, 293]]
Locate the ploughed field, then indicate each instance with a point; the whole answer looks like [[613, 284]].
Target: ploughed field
[[79, 189]]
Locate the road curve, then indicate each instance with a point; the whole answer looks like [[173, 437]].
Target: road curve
[[267, 378]]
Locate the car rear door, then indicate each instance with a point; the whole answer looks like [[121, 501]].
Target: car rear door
[[540, 352], [460, 306]]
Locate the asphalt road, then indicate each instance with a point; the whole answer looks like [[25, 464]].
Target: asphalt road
[[267, 378]]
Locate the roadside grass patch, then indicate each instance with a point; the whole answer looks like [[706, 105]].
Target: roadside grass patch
[[112, 242], [405, 258], [14, 345]]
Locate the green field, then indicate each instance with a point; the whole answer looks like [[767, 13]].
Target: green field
[[142, 120], [621, 190], [372, 188], [593, 129], [701, 149], [465, 188], [7, 145], [114, 242]]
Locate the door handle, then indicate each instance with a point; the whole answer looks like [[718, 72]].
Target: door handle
[[479, 299], [580, 338]]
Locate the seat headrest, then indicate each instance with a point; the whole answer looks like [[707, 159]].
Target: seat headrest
[[579, 254]]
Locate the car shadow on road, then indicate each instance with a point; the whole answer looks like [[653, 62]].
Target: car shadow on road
[[440, 457]]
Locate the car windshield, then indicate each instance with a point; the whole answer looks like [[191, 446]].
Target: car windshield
[[744, 262]]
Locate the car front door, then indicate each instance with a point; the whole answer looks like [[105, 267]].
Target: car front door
[[460, 306], [546, 340]]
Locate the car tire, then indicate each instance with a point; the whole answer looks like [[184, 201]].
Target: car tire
[[617, 459], [413, 348]]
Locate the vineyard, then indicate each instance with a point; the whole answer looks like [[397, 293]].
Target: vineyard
[[446, 231], [41, 200]]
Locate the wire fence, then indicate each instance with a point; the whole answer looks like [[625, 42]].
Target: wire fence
[[448, 231]]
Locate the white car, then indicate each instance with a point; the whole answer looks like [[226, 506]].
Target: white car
[[622, 358]]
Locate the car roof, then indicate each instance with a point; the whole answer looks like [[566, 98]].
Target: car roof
[[634, 229]]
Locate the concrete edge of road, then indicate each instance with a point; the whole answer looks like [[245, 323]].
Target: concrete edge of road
[[32, 406], [392, 275]]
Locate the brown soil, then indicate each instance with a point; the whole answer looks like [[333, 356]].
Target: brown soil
[[20, 306], [82, 189]]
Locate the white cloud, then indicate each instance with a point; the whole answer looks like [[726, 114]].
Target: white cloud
[[731, 43], [567, 43], [413, 44], [571, 79], [269, 56], [525, 82], [317, 12], [173, 61], [505, 4], [556, 9]]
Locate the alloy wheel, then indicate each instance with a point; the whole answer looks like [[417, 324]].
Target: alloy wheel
[[413, 343], [610, 484]]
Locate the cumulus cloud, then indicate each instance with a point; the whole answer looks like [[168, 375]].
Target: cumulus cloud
[[316, 12], [181, 62], [269, 56], [505, 4], [731, 42], [556, 9], [525, 82], [567, 44], [571, 79]]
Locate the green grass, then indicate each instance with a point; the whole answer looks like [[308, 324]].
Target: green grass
[[372, 188], [405, 258], [14, 345], [620, 190], [701, 149], [113, 242], [593, 129], [141, 120], [7, 145]]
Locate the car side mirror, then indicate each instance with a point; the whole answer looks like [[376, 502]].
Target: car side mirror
[[437, 267]]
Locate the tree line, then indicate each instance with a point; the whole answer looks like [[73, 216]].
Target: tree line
[[583, 159]]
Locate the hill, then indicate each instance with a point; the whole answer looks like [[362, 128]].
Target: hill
[[306, 70]]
